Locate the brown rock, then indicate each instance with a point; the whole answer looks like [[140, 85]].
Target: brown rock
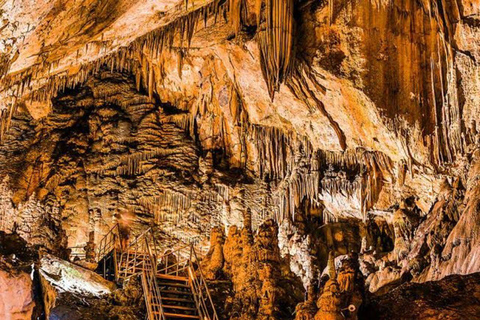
[[16, 295]]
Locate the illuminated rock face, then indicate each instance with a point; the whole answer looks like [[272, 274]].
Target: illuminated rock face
[[300, 128], [67, 277], [17, 296], [18, 292]]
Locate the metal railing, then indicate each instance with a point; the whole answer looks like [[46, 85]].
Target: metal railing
[[174, 262], [142, 257], [137, 256], [200, 290], [151, 291], [109, 242], [184, 262]]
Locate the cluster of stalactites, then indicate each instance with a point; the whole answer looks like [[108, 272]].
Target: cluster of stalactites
[[275, 39], [448, 140], [371, 168], [297, 172], [275, 25], [338, 183], [168, 206], [135, 58], [5, 120]]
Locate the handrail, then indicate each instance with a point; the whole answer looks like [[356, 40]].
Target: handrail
[[201, 293], [199, 285], [133, 258], [139, 258], [110, 241], [152, 295], [178, 252], [176, 267], [140, 237]]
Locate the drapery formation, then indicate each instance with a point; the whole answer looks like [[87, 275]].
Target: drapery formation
[[275, 40], [275, 23]]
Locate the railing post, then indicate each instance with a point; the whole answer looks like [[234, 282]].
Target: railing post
[[191, 251], [116, 264], [104, 268], [204, 286], [166, 264]]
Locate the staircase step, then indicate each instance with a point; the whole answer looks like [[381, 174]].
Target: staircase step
[[176, 292], [169, 306], [155, 304], [138, 253], [180, 315], [178, 300], [174, 284], [171, 277]]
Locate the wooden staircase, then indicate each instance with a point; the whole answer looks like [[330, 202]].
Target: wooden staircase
[[177, 297], [173, 283], [116, 263]]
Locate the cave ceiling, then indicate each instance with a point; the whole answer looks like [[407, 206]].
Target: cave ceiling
[[199, 115]]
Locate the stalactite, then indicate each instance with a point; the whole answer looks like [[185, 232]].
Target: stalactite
[[168, 206], [276, 153], [131, 59], [330, 12], [180, 58], [444, 106], [258, 11], [436, 141], [276, 43], [235, 14]]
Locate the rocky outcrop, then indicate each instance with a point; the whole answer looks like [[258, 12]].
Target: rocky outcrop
[[16, 294], [454, 297], [68, 277], [435, 248], [457, 255]]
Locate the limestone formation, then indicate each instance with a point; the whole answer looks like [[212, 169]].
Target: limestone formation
[[314, 154], [214, 260], [17, 295], [329, 304]]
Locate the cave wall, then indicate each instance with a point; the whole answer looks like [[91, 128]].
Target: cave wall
[[165, 114]]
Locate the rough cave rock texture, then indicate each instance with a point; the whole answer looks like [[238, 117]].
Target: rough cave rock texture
[[453, 297], [16, 294], [339, 137]]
